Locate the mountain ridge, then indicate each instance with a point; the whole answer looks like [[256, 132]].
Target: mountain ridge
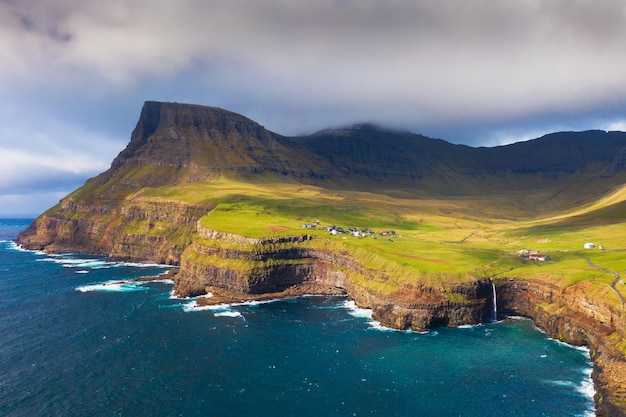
[[233, 205], [198, 137]]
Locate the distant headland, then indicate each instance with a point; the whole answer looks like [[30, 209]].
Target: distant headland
[[424, 232]]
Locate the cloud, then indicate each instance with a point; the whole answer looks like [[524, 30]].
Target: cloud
[[619, 125], [473, 71], [28, 205], [39, 152], [458, 59]]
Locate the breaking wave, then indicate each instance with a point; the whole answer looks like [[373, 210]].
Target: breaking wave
[[113, 286]]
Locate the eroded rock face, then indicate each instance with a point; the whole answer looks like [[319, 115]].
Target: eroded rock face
[[276, 265], [133, 230], [232, 263], [180, 144], [568, 315]]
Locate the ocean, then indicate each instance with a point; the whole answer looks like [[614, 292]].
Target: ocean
[[78, 339]]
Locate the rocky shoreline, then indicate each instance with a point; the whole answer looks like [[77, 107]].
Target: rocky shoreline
[[235, 269], [119, 214], [563, 313]]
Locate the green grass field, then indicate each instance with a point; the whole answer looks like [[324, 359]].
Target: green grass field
[[440, 241]]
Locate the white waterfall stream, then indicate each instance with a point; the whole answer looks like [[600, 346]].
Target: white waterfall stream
[[494, 311]]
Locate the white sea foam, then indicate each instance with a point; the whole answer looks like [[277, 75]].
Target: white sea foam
[[16, 247], [112, 286], [69, 260], [366, 313], [223, 307], [193, 306], [140, 265], [255, 303], [580, 348], [356, 311], [568, 384], [228, 314], [221, 310], [82, 271], [469, 326], [586, 386]]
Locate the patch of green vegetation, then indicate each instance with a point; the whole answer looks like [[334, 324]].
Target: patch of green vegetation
[[458, 298], [240, 265], [438, 241]]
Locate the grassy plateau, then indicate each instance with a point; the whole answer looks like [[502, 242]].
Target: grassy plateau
[[435, 241]]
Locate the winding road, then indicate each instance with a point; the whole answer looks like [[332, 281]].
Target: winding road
[[615, 280]]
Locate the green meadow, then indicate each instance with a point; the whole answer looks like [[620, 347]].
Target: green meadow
[[437, 241]]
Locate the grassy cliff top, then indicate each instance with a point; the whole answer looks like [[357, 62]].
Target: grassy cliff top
[[438, 242]]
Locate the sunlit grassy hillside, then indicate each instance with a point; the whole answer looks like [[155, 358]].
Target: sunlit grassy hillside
[[437, 241]]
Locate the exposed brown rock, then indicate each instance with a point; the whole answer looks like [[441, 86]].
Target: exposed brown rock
[[176, 144], [565, 314]]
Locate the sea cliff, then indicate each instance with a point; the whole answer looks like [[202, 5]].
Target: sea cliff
[[287, 266], [225, 199]]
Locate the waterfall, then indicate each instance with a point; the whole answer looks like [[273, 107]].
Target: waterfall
[[494, 311]]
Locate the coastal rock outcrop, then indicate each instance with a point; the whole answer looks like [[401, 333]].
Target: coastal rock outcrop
[[135, 229], [569, 315], [239, 268], [134, 211], [233, 264]]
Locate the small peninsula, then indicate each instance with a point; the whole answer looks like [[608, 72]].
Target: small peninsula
[[424, 232]]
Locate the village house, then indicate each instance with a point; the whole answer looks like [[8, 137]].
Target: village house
[[536, 256], [532, 255]]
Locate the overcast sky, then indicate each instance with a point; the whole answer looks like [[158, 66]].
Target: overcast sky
[[75, 73]]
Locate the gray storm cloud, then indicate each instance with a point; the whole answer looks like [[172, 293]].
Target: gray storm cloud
[[441, 68], [453, 59]]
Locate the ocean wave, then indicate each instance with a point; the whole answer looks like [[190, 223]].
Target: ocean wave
[[220, 310], [95, 263], [469, 326], [228, 314], [77, 262], [193, 305], [366, 313], [113, 286], [14, 246], [584, 349], [585, 388], [357, 311]]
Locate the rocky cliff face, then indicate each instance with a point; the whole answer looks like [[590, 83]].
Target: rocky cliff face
[[181, 143], [176, 144], [227, 263], [569, 315], [134, 230], [240, 267]]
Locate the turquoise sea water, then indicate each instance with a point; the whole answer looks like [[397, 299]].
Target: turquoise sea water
[[77, 339]]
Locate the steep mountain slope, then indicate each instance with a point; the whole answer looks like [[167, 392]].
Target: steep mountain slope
[[433, 224], [180, 144]]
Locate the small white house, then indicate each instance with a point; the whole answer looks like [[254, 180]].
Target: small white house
[[589, 245]]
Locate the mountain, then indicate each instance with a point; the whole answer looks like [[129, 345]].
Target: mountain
[[182, 143], [176, 144], [433, 225]]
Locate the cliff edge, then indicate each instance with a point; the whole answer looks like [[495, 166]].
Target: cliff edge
[[417, 229]]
